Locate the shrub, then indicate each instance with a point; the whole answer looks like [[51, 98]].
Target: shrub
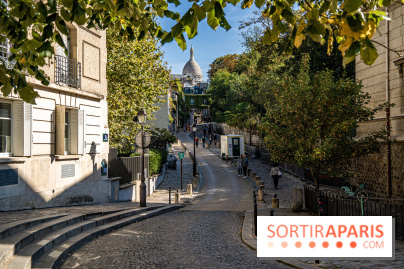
[[156, 159]]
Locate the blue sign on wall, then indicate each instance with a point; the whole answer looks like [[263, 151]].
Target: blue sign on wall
[[105, 137]]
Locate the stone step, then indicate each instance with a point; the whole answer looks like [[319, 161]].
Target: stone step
[[56, 233], [54, 258], [12, 228], [16, 242], [17, 235]]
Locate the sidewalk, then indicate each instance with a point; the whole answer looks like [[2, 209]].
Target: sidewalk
[[285, 193], [159, 197]]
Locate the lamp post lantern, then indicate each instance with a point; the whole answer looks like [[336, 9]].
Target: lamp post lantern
[[194, 165], [141, 118]]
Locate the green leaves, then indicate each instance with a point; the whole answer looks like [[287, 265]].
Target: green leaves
[[45, 50], [368, 52], [212, 20], [137, 77], [351, 5], [385, 3]]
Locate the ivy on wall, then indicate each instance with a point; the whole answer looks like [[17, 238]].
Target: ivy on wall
[[198, 100]]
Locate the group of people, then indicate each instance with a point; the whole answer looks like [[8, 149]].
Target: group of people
[[210, 137], [243, 165], [203, 139]]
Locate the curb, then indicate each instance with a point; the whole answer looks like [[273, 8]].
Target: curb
[[250, 241]]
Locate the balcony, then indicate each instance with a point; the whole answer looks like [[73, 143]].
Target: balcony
[[67, 72], [5, 54]]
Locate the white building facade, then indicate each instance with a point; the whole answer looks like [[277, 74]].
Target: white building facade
[[51, 153]]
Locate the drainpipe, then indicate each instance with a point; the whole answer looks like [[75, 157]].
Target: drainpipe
[[388, 109]]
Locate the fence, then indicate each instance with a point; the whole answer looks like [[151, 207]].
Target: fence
[[126, 167], [335, 205]]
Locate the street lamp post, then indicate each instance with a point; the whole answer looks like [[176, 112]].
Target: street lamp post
[[194, 167], [141, 117]]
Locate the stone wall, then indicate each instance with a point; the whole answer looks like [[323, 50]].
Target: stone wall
[[373, 170]]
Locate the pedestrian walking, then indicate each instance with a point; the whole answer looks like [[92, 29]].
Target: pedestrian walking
[[204, 132], [210, 140], [196, 141], [203, 141], [275, 173], [240, 166], [245, 164], [214, 138]]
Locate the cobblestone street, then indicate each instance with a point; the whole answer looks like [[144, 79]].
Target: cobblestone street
[[206, 234], [180, 239]]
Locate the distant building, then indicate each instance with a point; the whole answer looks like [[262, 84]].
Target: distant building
[[195, 89]]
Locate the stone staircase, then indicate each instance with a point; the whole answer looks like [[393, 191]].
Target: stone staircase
[[45, 241]]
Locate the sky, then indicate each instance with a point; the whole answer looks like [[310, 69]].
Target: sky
[[208, 44]]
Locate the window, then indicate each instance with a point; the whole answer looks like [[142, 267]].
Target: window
[[67, 69], [5, 128], [192, 101], [205, 101], [70, 131]]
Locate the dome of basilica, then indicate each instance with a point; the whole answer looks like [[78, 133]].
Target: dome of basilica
[[192, 67]]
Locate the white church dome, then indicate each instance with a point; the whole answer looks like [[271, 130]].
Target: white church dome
[[192, 67]]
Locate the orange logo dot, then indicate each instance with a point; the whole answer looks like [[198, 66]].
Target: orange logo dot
[[325, 244], [284, 244], [270, 244], [339, 244], [353, 244], [312, 244], [298, 244]]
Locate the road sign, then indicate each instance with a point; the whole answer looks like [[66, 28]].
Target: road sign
[[146, 139], [181, 155]]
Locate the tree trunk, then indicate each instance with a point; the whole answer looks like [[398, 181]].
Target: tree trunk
[[314, 175]]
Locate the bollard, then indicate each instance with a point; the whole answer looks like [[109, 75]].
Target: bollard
[[249, 172], [257, 180], [297, 204], [262, 185], [255, 213], [195, 182], [253, 175], [169, 195], [271, 212], [275, 202], [178, 197], [260, 195], [189, 189]]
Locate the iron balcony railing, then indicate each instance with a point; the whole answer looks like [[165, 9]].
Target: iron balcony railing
[[5, 54], [67, 72]]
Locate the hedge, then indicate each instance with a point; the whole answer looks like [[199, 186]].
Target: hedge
[[156, 159]]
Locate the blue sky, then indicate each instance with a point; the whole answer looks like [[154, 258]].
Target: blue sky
[[208, 44]]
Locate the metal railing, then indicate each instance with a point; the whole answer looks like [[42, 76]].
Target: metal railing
[[5, 54], [334, 205], [67, 72]]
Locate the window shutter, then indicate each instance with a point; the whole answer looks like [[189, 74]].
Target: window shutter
[[60, 130], [82, 132], [77, 131], [74, 131], [22, 129]]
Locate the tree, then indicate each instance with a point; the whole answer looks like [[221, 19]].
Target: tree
[[227, 62], [137, 78], [32, 27], [311, 119]]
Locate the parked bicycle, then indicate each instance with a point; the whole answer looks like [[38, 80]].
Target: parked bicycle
[[360, 193]]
